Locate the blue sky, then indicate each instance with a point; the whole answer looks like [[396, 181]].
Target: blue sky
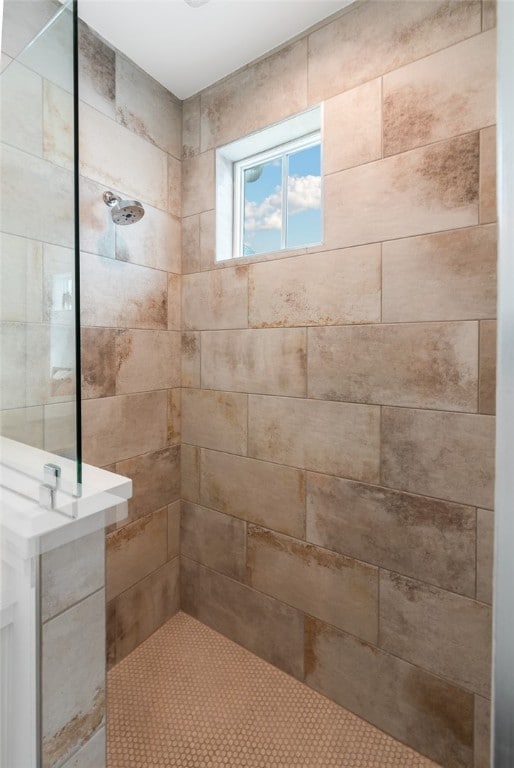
[[263, 202]]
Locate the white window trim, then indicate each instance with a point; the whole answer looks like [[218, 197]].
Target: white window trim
[[248, 148]]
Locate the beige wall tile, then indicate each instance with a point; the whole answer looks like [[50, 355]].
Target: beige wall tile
[[146, 606], [422, 104], [337, 589], [271, 361], [116, 428], [420, 537], [444, 276], [92, 754], [71, 572], [24, 425], [174, 186], [174, 416], [59, 424], [424, 190], [191, 126], [97, 71], [447, 455], [246, 101], [174, 515], [215, 420], [31, 187], [155, 242], [433, 365], [104, 149], [174, 302], [420, 709], [266, 627], [73, 695], [97, 233], [58, 125], [121, 295], [332, 288], [22, 23], [213, 539], [110, 634], [191, 261], [488, 174], [353, 127], [145, 107], [378, 37], [487, 366], [482, 733], [198, 183], [21, 102], [155, 480], [147, 360], [446, 634], [215, 300], [256, 491], [98, 346], [485, 555], [338, 438], [191, 359], [488, 14], [21, 280], [190, 472], [207, 239], [135, 550]]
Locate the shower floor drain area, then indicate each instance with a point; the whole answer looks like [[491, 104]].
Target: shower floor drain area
[[190, 698]]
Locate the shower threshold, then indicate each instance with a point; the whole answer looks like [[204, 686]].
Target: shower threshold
[[190, 698]]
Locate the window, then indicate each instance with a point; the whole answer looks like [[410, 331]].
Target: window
[[268, 189]]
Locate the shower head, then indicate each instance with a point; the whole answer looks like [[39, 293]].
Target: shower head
[[124, 211]]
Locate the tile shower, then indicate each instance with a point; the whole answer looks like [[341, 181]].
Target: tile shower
[[330, 511]]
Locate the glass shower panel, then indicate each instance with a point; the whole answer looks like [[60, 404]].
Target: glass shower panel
[[39, 386]]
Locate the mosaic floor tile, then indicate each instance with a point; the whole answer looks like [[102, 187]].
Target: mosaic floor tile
[[190, 698]]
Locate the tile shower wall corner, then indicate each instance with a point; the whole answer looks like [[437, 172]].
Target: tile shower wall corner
[[338, 405]]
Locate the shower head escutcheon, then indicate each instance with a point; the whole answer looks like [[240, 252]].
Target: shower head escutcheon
[[124, 211]]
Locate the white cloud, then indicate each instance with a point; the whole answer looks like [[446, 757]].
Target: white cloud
[[304, 193], [265, 215]]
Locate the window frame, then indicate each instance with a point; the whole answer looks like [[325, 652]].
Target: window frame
[[282, 151]]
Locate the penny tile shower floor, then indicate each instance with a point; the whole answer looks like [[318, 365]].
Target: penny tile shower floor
[[189, 698]]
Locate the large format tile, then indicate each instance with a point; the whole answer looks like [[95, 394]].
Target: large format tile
[[246, 101], [191, 261], [270, 629], [155, 242], [270, 362], [488, 14], [155, 480], [339, 590], [22, 22], [114, 156], [58, 136], [147, 360], [116, 428], [487, 380], [31, 188], [353, 127], [422, 104], [21, 102], [26, 425], [121, 295], [92, 754], [21, 279], [136, 550], [433, 365], [146, 606], [198, 183], [444, 276], [215, 300], [425, 190], [73, 694], [337, 438], [420, 537], [417, 446], [488, 174], [145, 107], [190, 359], [332, 288], [191, 126], [215, 420], [378, 37], [71, 572], [485, 554], [97, 71], [174, 518], [98, 347], [414, 706], [190, 472], [482, 733], [213, 539], [256, 491], [446, 634]]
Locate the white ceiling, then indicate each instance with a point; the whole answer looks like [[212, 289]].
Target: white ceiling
[[187, 49]]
